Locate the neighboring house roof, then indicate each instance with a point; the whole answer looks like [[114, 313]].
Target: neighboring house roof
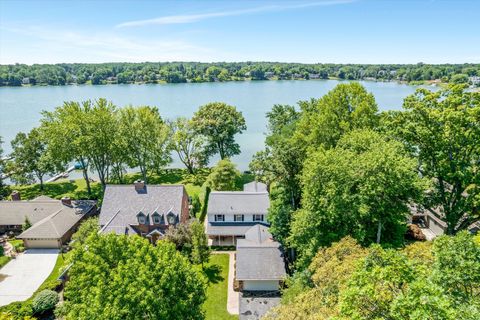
[[50, 218], [255, 186], [238, 202], [122, 203], [259, 257]]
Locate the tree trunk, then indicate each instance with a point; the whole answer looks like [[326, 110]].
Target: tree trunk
[[41, 182], [379, 231]]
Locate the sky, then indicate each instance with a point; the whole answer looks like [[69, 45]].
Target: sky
[[307, 31]]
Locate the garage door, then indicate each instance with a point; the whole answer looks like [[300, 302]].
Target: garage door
[[260, 285], [41, 243]]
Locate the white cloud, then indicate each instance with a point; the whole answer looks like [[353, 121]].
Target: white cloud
[[190, 18], [102, 46]]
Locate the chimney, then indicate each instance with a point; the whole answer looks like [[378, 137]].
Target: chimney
[[66, 201], [16, 196], [139, 185]]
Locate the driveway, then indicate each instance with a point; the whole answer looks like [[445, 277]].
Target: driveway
[[22, 276]]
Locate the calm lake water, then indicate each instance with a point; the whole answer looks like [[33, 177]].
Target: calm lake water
[[20, 107]]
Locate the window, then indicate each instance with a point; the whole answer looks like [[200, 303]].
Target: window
[[220, 217], [238, 217], [258, 217], [141, 219], [156, 219]]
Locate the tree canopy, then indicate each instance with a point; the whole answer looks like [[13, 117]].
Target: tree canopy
[[442, 129], [125, 277], [223, 176], [219, 122]]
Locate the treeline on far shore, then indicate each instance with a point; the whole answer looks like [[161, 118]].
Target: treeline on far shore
[[178, 72]]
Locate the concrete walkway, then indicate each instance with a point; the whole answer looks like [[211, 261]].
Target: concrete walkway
[[22, 276], [233, 299]]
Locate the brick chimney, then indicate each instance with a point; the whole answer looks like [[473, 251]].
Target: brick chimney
[[66, 201], [139, 185], [15, 196]]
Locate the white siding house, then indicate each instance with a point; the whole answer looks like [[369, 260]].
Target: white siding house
[[231, 213]]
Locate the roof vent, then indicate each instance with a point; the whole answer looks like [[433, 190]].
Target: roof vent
[[139, 185]]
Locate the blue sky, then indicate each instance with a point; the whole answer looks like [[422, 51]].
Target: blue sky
[[336, 31]]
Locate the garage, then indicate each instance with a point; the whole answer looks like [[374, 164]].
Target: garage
[[41, 243], [260, 285]]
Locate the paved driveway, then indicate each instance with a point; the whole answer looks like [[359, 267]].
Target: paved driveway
[[22, 276]]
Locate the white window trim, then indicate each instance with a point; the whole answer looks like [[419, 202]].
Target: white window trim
[[241, 216], [219, 215]]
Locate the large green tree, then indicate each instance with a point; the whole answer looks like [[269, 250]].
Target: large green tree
[[200, 250], [145, 137], [360, 188], [346, 107], [219, 123], [125, 277], [189, 146], [31, 158], [223, 176], [66, 130], [442, 129]]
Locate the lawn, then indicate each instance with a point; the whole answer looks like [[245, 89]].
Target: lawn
[[217, 273], [4, 260]]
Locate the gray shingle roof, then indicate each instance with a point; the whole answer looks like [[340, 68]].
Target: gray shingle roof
[[122, 203], [259, 257], [50, 219], [238, 202], [228, 229]]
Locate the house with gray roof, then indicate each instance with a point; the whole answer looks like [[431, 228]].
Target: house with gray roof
[[52, 221], [141, 209], [259, 265], [231, 213]]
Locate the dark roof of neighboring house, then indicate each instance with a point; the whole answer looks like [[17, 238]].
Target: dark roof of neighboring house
[[238, 202], [50, 218], [259, 257], [122, 203]]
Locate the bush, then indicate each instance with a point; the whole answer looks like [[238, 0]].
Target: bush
[[44, 301], [4, 260]]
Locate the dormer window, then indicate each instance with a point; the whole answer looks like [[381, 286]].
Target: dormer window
[[156, 218], [171, 218], [142, 219]]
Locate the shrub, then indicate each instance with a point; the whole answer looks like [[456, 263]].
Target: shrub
[[44, 301]]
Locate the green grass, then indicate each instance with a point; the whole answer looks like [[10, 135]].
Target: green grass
[[4, 260], [217, 273]]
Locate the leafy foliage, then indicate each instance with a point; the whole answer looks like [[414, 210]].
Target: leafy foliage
[[359, 188], [442, 129], [120, 277], [44, 301], [219, 122], [223, 176]]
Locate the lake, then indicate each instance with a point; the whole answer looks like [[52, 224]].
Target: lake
[[20, 107]]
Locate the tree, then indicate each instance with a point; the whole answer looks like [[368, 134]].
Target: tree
[[26, 224], [326, 120], [200, 250], [86, 229], [223, 176], [3, 188], [66, 131], [189, 146], [442, 129], [125, 277], [145, 137], [31, 158], [359, 188], [219, 123]]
